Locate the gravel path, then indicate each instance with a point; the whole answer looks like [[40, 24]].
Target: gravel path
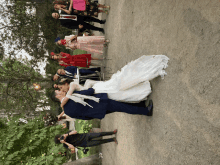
[[185, 126]]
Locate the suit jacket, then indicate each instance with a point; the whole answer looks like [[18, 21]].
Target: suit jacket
[[73, 71], [79, 111], [71, 24]]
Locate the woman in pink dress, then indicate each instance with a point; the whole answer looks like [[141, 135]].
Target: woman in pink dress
[[80, 60], [81, 7], [93, 44]]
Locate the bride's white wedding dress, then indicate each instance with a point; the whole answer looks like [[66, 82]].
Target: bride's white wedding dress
[[131, 84]]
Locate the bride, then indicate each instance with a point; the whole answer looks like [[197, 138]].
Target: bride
[[131, 84]]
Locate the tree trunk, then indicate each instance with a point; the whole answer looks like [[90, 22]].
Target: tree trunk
[[90, 160]]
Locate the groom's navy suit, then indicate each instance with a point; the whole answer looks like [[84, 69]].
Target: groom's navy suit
[[99, 110]]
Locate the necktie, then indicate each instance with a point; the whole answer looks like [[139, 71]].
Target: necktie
[[72, 17]]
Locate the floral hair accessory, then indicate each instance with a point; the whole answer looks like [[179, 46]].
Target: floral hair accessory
[[63, 42]]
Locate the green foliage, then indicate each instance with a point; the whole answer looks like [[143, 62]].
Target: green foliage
[[31, 143], [29, 26], [85, 126], [52, 67], [78, 51], [1, 52], [16, 87]]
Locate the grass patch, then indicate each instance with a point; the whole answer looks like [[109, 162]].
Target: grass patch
[[78, 51]]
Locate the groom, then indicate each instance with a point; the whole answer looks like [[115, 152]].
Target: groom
[[78, 22], [97, 109]]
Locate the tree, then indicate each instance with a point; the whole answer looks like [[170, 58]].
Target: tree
[[30, 143], [22, 28], [29, 26], [1, 51], [16, 85]]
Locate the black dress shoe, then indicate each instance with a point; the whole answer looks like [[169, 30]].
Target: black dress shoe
[[150, 108], [103, 21], [103, 31], [98, 69]]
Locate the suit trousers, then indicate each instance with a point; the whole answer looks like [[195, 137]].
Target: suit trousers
[[82, 19], [90, 141], [115, 106], [88, 71], [90, 27], [88, 19]]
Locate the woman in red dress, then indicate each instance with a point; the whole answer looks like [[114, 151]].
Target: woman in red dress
[[80, 60]]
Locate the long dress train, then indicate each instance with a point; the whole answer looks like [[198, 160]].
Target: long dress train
[[131, 84]]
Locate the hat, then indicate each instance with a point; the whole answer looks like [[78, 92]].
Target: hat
[[57, 39], [52, 53]]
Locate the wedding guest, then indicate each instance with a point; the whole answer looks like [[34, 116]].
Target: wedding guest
[[80, 7], [73, 139], [93, 44], [80, 60], [61, 84], [57, 86], [78, 22], [71, 71]]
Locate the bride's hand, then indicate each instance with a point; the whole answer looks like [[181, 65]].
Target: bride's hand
[[65, 100], [61, 105]]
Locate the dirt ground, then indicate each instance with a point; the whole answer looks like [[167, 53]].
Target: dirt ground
[[185, 127]]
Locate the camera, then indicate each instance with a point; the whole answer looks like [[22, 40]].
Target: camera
[[62, 138], [85, 150]]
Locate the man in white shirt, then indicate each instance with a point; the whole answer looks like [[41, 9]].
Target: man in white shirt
[[78, 22], [71, 71]]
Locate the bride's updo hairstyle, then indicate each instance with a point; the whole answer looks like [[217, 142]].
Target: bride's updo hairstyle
[[53, 97], [64, 81]]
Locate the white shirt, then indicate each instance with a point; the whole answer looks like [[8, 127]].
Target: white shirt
[[69, 74], [61, 16]]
